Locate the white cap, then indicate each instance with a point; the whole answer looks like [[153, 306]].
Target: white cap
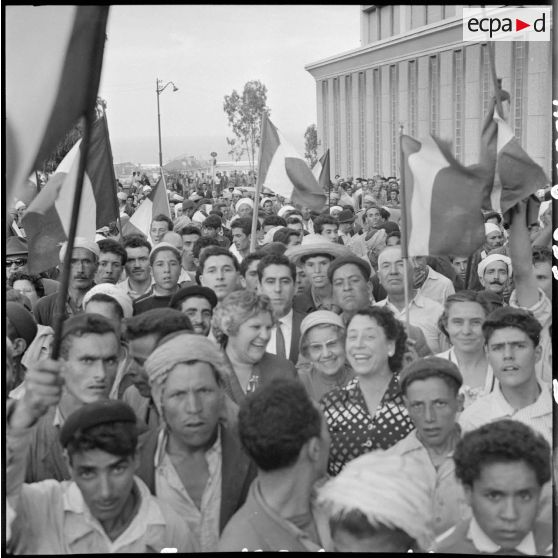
[[113, 291], [494, 258], [490, 228], [81, 242]]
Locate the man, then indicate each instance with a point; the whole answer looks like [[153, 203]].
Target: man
[[285, 435], [159, 226], [494, 240], [111, 261], [138, 270], [109, 301], [84, 262], [429, 282], [89, 351], [493, 236], [219, 271], [194, 463], [164, 260], [423, 312], [212, 227], [346, 221], [430, 388], [272, 221], [249, 271], [494, 273], [188, 209], [175, 240], [189, 234], [242, 236], [327, 226], [459, 263], [105, 508], [267, 206], [197, 303], [503, 467], [277, 278], [512, 341]]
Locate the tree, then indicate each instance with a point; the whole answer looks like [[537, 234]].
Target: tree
[[311, 145], [236, 151], [244, 114]]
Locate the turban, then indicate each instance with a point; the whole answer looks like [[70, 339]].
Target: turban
[[181, 347], [490, 228], [335, 208], [81, 242], [386, 489], [244, 201], [124, 301], [19, 205], [284, 210], [494, 258]]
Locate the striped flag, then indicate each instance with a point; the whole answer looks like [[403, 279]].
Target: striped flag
[[53, 63], [47, 220], [321, 171], [285, 172], [442, 200], [156, 203]]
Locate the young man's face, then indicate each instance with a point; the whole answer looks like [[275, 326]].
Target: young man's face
[[110, 268], [250, 281], [330, 232], [543, 275], [199, 310], [241, 240], [277, 283], [158, 230], [166, 270], [512, 356], [504, 501], [315, 268], [220, 274], [460, 266], [137, 265]]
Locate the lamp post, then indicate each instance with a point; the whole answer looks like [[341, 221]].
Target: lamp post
[[159, 89]]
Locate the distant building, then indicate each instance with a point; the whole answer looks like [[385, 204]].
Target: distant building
[[414, 69]]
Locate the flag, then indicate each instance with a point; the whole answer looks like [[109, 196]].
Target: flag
[[156, 203], [53, 63], [321, 171], [47, 220], [285, 172], [442, 213]]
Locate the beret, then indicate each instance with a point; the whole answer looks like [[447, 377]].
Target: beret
[[120, 296], [483, 264], [81, 242], [195, 290], [161, 246], [351, 259], [430, 364], [94, 414], [22, 320]]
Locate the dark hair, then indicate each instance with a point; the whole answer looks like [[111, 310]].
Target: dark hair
[[87, 324], [102, 297], [306, 257], [460, 296], [136, 241], [275, 259], [216, 251], [245, 263], [189, 229], [111, 246], [394, 234], [275, 422], [273, 248], [322, 220], [451, 382], [512, 317], [216, 212], [372, 206], [117, 438], [201, 243], [212, 222], [294, 220], [542, 254], [35, 280], [393, 330], [283, 234], [158, 321], [501, 441], [244, 224], [161, 217], [275, 221]]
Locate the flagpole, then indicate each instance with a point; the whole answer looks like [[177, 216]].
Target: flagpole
[[253, 237], [93, 87], [490, 46], [404, 225]]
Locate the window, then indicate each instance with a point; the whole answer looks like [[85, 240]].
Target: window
[[377, 118], [349, 116], [434, 95], [325, 113], [485, 81], [413, 96], [458, 104], [362, 121], [519, 65], [336, 125], [394, 116]]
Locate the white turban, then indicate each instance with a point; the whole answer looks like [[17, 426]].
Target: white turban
[[490, 228], [284, 210], [335, 208], [124, 301], [268, 236], [386, 489], [494, 258], [81, 242], [244, 201]]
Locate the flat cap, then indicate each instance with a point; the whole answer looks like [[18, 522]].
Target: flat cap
[[429, 364], [351, 259], [94, 414], [195, 290]]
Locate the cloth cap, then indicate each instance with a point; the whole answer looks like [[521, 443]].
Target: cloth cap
[[319, 317], [431, 364], [387, 489], [490, 228], [161, 246], [180, 348], [493, 258], [19, 204], [122, 196], [346, 216], [113, 291], [81, 242], [16, 246], [316, 244], [23, 321], [268, 236], [195, 290], [351, 259], [335, 208], [284, 209], [244, 201], [94, 414]]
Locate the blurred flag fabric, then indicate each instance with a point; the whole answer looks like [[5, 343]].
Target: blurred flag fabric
[[321, 171], [156, 203], [285, 172], [53, 59], [47, 220], [442, 200]]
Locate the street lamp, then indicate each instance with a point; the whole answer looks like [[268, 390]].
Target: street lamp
[[159, 88]]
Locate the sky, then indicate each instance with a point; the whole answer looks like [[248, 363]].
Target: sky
[[207, 51]]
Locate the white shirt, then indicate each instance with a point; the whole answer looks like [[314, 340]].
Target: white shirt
[[234, 251], [204, 522], [483, 543], [287, 330], [437, 286]]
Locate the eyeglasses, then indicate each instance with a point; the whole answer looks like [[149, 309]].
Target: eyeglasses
[[17, 261], [328, 346]]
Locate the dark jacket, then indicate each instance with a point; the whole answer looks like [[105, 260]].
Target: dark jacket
[[295, 336]]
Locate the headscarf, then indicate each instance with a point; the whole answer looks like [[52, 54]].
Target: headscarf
[[176, 349], [490, 228], [494, 258], [244, 201]]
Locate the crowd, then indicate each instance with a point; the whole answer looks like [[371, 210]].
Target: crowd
[[208, 397]]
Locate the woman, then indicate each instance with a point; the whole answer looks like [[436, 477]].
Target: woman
[[368, 413], [393, 200], [242, 324], [29, 285], [322, 364], [461, 322]]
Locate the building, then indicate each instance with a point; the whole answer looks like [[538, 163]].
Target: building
[[413, 69]]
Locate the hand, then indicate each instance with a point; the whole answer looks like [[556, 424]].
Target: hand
[[43, 388], [410, 354]]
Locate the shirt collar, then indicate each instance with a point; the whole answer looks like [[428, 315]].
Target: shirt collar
[[58, 419], [483, 543], [287, 319], [541, 407]]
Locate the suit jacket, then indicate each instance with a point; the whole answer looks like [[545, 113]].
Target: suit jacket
[[237, 470], [295, 335]]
